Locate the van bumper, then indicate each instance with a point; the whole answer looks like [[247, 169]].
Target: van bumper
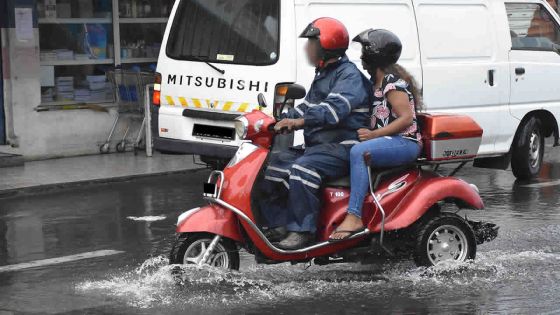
[[192, 147]]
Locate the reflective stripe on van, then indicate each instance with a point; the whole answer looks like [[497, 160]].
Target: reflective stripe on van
[[209, 104]]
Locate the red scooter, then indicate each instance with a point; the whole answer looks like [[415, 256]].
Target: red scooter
[[407, 214]]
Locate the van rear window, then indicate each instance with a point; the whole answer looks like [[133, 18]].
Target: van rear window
[[226, 31]]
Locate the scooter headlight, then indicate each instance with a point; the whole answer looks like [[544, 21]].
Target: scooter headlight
[[241, 127]]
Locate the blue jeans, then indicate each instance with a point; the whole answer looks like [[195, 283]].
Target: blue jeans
[[385, 152]]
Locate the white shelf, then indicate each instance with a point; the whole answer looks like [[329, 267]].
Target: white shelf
[[138, 60], [74, 62], [68, 103], [76, 21], [161, 20]]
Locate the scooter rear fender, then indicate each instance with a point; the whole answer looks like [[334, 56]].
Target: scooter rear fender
[[210, 219], [428, 192]]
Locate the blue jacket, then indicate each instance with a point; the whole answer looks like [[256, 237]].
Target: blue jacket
[[336, 106]]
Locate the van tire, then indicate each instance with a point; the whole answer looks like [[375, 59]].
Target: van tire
[[528, 150]]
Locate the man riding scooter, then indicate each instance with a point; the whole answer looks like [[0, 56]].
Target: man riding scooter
[[336, 106]]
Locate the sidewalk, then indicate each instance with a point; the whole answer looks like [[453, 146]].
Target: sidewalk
[[40, 175]]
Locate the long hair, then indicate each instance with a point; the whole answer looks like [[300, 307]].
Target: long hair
[[399, 71]]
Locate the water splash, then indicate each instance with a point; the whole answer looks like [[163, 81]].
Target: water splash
[[155, 283], [147, 218]]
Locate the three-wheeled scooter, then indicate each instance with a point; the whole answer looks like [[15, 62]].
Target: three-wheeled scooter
[[407, 213]]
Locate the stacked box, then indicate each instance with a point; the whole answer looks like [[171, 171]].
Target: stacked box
[[50, 9], [65, 88]]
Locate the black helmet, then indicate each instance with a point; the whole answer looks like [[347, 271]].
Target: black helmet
[[380, 48]]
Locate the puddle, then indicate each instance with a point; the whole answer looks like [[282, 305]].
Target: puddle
[[153, 284]]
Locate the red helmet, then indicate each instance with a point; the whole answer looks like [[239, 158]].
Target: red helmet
[[332, 35]]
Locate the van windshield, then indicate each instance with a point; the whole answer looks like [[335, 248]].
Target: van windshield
[[226, 31]]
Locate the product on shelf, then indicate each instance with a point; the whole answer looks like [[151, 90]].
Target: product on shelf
[[63, 10], [50, 9], [97, 41], [65, 88]]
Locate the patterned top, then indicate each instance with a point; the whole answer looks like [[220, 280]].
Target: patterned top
[[382, 112]]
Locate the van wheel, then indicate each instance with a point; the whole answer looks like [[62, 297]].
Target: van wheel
[[445, 236], [528, 150]]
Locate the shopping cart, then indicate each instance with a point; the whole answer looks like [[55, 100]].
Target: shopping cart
[[129, 89]]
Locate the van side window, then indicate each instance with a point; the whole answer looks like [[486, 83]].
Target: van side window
[[532, 27], [226, 31]]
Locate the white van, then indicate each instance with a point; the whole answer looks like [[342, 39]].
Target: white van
[[497, 61]]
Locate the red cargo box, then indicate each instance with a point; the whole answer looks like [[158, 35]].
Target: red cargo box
[[449, 137]]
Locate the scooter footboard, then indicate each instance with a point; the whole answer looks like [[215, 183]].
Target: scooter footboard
[[210, 219]]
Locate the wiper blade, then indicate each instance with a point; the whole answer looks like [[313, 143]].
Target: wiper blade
[[196, 58]]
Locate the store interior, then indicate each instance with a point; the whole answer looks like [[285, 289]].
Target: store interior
[[81, 40]]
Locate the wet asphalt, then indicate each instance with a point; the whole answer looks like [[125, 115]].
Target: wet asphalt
[[518, 273]]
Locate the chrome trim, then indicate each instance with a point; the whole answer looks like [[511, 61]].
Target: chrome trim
[[209, 250], [212, 177], [255, 228], [380, 207], [394, 187]]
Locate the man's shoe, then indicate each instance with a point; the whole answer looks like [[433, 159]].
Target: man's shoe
[[296, 240], [276, 234]]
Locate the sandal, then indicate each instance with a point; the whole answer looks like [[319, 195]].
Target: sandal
[[350, 234]]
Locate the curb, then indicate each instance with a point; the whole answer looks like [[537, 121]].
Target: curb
[[7, 193]]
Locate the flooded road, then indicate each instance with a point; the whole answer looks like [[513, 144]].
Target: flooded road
[[125, 230]]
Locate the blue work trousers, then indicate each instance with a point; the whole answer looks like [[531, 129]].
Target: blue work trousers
[[294, 179]]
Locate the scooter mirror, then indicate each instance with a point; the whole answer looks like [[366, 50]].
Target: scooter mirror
[[295, 92], [262, 100]]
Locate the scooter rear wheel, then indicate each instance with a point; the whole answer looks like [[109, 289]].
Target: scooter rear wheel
[[443, 237], [190, 247]]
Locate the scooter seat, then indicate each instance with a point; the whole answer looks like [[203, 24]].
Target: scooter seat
[[378, 175], [339, 182]]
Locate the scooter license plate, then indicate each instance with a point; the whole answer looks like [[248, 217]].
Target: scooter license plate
[[209, 189]]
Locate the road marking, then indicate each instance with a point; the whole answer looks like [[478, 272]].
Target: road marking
[[59, 260], [540, 185]]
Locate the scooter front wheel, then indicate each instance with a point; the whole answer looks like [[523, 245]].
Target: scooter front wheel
[[190, 248], [444, 237]]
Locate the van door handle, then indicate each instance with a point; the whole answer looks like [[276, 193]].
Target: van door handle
[[491, 77], [520, 71]]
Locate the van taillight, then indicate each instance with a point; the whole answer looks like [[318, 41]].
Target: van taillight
[[280, 93], [279, 96], [156, 98]]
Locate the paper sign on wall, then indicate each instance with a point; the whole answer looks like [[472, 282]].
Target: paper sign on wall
[[24, 23]]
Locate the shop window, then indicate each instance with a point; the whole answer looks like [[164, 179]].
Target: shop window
[[76, 42], [142, 25], [81, 40], [532, 27]]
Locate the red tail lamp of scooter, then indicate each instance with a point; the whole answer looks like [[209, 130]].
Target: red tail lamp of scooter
[[156, 97]]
